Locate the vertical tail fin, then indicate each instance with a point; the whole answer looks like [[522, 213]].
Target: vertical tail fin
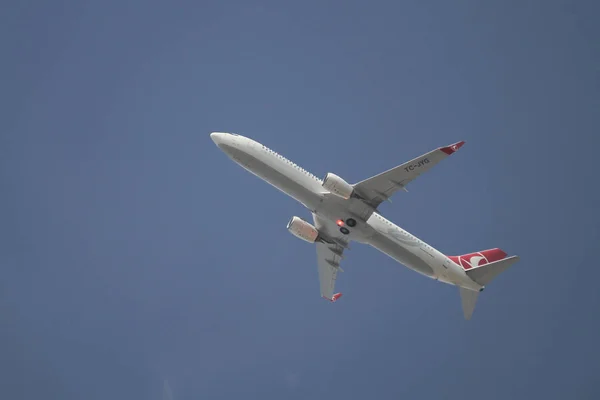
[[479, 258], [482, 267]]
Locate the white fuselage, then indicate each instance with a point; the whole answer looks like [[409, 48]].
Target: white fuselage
[[376, 230]]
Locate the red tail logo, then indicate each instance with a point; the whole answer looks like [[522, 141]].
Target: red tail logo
[[478, 259]]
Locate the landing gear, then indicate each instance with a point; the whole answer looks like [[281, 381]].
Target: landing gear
[[344, 230], [351, 222]]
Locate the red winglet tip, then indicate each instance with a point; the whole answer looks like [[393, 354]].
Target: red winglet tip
[[333, 298], [452, 148]]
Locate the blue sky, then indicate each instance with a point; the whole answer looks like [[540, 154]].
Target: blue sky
[[134, 251]]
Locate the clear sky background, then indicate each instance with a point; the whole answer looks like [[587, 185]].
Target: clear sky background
[[134, 251]]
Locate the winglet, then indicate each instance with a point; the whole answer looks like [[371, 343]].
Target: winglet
[[334, 297], [452, 148]]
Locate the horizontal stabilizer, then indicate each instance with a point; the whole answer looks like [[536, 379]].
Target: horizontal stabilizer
[[484, 274], [493, 264], [468, 299]]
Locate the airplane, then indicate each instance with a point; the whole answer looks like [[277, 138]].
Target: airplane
[[343, 213]]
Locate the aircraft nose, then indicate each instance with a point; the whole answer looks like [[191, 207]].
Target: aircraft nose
[[218, 137]]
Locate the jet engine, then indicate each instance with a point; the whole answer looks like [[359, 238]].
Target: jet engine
[[338, 186], [303, 230]]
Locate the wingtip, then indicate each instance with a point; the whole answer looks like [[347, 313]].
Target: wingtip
[[333, 298], [453, 147]]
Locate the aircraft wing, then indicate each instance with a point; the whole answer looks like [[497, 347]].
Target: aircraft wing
[[329, 256], [381, 187]]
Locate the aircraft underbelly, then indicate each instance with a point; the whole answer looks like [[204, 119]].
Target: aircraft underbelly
[[401, 254], [285, 181]]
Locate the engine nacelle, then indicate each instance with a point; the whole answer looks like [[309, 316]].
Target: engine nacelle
[[338, 186], [303, 230]]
